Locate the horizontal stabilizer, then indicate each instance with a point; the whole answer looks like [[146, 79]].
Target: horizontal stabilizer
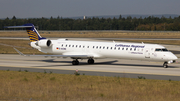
[[18, 26]]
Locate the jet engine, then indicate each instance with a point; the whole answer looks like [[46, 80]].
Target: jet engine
[[44, 43]]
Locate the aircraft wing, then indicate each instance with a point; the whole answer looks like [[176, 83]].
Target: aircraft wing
[[71, 56]]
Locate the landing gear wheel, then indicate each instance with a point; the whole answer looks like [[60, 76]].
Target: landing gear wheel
[[75, 62], [90, 61], [165, 65]]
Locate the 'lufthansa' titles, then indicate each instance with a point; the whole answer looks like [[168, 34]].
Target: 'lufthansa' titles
[[133, 46]]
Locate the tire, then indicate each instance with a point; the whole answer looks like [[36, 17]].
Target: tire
[[75, 62], [165, 65], [90, 61]]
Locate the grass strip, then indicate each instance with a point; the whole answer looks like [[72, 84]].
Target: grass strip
[[60, 87], [95, 34]]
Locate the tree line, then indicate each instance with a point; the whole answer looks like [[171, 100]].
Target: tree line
[[150, 23]]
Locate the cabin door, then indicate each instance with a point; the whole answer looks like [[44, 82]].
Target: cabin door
[[147, 53]]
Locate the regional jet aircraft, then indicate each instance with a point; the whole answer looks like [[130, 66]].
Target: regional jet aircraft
[[96, 50]]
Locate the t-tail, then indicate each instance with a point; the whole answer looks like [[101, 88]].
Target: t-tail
[[31, 30]]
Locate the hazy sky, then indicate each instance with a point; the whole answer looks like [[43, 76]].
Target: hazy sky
[[73, 8]]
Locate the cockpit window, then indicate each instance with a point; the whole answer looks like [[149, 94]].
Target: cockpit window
[[161, 49], [164, 49], [158, 50]]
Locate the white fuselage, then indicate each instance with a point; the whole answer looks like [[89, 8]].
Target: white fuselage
[[137, 51]]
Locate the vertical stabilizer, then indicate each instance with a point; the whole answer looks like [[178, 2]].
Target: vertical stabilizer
[[33, 33]]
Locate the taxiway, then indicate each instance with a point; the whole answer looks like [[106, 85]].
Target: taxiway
[[102, 67]]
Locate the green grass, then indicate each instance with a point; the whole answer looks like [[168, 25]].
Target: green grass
[[61, 87]]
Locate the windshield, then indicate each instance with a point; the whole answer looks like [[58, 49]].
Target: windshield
[[161, 49]]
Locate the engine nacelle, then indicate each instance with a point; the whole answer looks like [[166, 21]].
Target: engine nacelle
[[44, 43]]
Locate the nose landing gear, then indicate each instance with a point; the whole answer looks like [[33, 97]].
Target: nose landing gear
[[165, 65]]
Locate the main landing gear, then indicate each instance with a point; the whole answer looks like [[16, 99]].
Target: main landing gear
[[90, 61], [165, 65], [76, 62]]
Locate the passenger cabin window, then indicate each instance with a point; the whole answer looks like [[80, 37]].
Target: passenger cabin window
[[72, 45], [107, 47], [69, 45], [76, 45], [111, 47], [100, 47], [87, 46], [96, 47], [79, 46], [114, 48], [62, 45], [66, 45], [122, 48], [103, 47], [119, 48], [93, 46], [83, 46]]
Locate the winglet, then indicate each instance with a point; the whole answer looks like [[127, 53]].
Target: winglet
[[19, 52]]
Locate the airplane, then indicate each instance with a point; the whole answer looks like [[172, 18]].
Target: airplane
[[96, 50]]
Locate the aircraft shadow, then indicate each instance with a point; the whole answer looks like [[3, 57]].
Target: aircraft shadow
[[110, 63]]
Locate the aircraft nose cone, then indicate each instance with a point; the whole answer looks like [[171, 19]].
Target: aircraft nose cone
[[171, 56], [174, 57]]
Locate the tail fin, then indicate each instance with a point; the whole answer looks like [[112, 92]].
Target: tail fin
[[31, 30]]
